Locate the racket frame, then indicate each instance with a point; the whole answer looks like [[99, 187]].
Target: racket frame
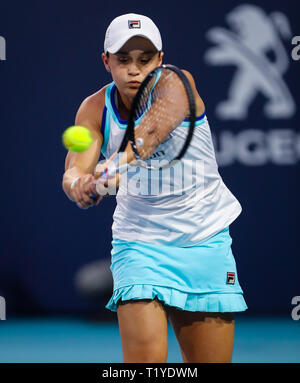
[[192, 114], [129, 133]]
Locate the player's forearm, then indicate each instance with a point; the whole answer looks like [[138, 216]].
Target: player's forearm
[[69, 178]]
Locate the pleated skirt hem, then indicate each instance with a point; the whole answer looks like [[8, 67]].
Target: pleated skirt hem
[[202, 302]]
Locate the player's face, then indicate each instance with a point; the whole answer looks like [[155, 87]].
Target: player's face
[[132, 63]]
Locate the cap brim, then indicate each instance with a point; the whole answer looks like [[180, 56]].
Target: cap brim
[[116, 47]]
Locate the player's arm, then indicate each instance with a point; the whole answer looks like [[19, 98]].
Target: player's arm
[[200, 107], [79, 167]]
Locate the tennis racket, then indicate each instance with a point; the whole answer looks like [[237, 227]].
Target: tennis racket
[[160, 125]]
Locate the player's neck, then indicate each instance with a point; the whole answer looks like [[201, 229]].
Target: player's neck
[[123, 106]]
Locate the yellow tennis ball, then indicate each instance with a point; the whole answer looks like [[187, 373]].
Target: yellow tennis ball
[[77, 138]]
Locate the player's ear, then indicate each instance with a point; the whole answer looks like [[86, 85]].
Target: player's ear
[[105, 58], [160, 55]]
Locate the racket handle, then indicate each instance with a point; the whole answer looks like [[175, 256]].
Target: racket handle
[[111, 172]]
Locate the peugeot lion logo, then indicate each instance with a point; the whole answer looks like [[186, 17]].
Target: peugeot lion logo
[[253, 34]]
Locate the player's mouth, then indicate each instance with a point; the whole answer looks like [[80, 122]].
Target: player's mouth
[[134, 84]]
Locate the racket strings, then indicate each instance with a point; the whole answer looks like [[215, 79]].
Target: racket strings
[[163, 106]]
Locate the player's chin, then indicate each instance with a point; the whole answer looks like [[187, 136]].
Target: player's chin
[[133, 88], [132, 91]]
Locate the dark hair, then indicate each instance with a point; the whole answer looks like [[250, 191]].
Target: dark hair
[[107, 54]]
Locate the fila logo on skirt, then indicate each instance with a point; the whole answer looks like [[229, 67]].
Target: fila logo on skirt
[[230, 278]]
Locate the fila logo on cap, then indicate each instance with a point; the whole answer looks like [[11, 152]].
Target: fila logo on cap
[[230, 278], [132, 24]]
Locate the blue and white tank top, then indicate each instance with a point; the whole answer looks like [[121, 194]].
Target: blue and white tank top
[[180, 206]]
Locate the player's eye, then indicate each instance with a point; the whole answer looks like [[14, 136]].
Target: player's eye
[[123, 60], [145, 60]]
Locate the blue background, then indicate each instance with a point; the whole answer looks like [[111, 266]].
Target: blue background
[[53, 62]]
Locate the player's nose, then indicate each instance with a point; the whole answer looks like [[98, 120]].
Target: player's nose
[[133, 69]]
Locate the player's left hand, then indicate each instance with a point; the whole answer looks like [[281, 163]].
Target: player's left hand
[[84, 192]]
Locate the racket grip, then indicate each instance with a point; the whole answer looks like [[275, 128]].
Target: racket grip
[[111, 172], [105, 174], [94, 196], [108, 173]]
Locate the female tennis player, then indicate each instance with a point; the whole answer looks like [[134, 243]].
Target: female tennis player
[[171, 259]]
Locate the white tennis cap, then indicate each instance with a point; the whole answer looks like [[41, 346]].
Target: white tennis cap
[[124, 27]]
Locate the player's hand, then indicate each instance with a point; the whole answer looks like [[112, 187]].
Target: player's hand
[[84, 192], [106, 186]]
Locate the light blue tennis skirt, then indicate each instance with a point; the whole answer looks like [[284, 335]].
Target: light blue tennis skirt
[[199, 278]]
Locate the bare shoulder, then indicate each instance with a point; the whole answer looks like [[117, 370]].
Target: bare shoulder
[[97, 98], [200, 107], [90, 110]]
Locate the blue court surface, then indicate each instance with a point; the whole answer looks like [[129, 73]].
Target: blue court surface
[[75, 340]]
